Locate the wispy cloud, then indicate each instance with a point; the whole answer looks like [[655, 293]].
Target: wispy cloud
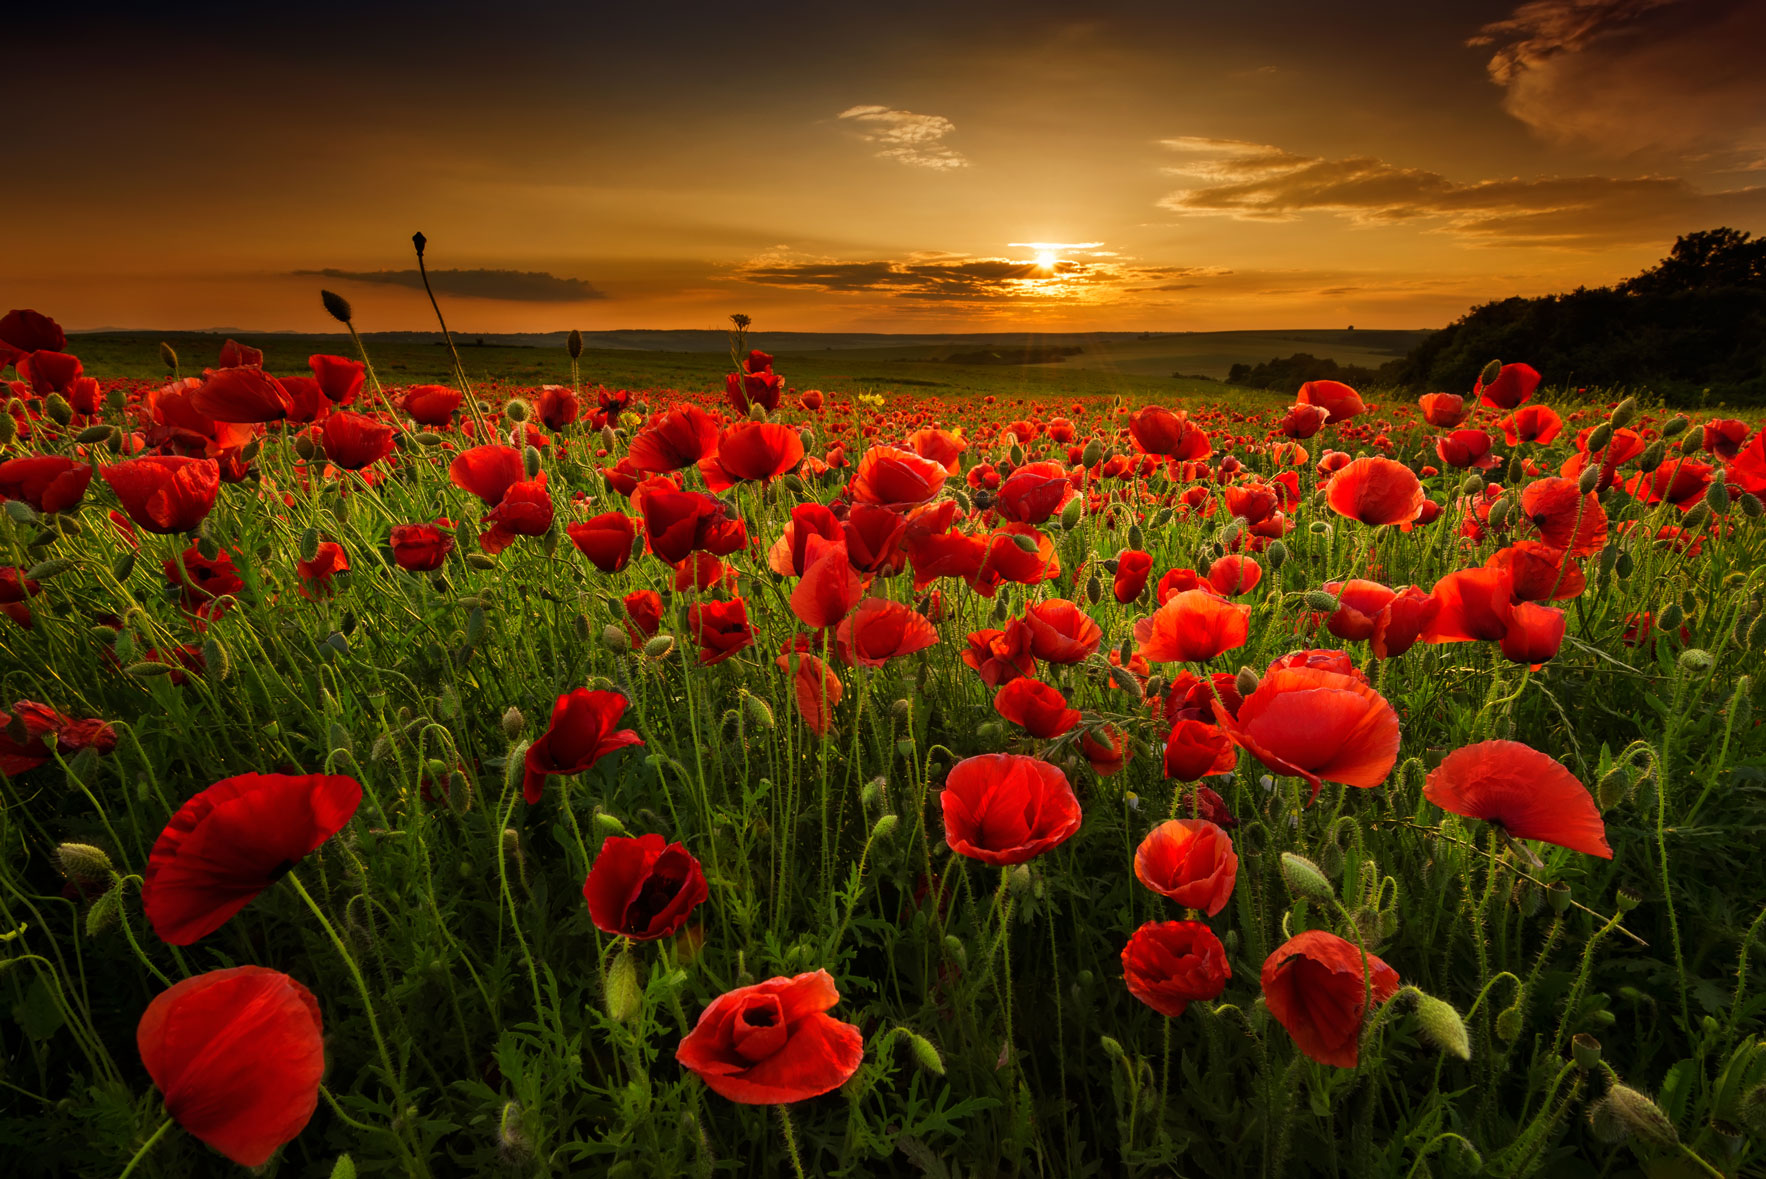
[[961, 278], [521, 286], [910, 138]]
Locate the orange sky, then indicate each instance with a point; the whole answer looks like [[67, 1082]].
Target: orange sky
[[1279, 164]]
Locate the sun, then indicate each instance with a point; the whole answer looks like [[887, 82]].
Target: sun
[[1046, 260]]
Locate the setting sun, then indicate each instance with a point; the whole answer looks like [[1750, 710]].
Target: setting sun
[[1046, 260]]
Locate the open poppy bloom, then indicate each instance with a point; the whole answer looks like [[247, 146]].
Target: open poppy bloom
[[881, 629], [1375, 491], [244, 393], [1196, 749], [774, 1042], [354, 440], [1034, 492], [720, 628], [1514, 383], [643, 887], [1005, 808], [1060, 632], [315, 575], [431, 405], [1036, 707], [1339, 399], [488, 472], [558, 407], [1194, 625], [1565, 518], [238, 1056], [22, 747], [582, 732], [1316, 988], [233, 841], [339, 377], [830, 586], [1189, 860], [48, 482], [606, 540], [751, 451], [1443, 410], [1170, 964], [1318, 725], [673, 439], [1529, 794], [1000, 656], [893, 478], [815, 687], [165, 494], [420, 548]]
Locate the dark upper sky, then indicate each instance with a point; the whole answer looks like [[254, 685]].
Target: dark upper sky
[[902, 167]]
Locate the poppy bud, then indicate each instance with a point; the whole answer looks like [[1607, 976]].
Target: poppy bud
[[513, 722], [963, 500], [1694, 660], [1751, 507], [1276, 554], [517, 410], [1028, 544], [1717, 496], [760, 713], [306, 448], [1696, 517], [1588, 480], [1490, 372], [1018, 879], [1093, 454], [1508, 1024], [1612, 788], [8, 430], [1499, 512], [1321, 600], [44, 570], [1675, 426], [1515, 469], [1136, 540], [58, 410], [573, 344], [1443, 1026], [82, 861], [659, 647], [218, 664], [953, 949], [1670, 616], [91, 434], [615, 639], [1652, 456], [1306, 879], [1071, 514], [1094, 589], [104, 911], [925, 1054], [1625, 1113], [884, 827], [1246, 681], [625, 998], [147, 670]]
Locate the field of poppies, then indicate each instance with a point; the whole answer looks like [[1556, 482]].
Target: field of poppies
[[472, 780]]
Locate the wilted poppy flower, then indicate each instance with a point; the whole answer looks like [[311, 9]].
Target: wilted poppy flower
[[1133, 567], [245, 394], [1375, 491], [420, 548], [879, 630], [431, 405], [1170, 964], [488, 471], [1514, 383], [165, 495], [1531, 423], [1193, 626], [643, 887], [1192, 861], [815, 688], [1159, 431], [583, 731], [1036, 707], [315, 575], [354, 441], [339, 377], [1196, 749], [674, 439], [720, 628], [233, 841], [773, 1042], [606, 540], [49, 483], [1339, 399], [1317, 987], [1004, 808], [238, 1056], [893, 478], [1444, 411], [1317, 725], [1060, 632], [1529, 794]]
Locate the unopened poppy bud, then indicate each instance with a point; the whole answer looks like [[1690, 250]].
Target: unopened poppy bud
[[1094, 589], [660, 646], [756, 412], [517, 410], [336, 306], [1694, 660], [1626, 1113], [218, 664], [1246, 681], [1489, 373], [1443, 1026], [512, 851], [58, 410], [1515, 469], [1612, 788], [625, 998], [486, 561], [573, 344], [1113, 1049], [1093, 454], [1675, 426], [1623, 413], [531, 458], [1276, 555], [82, 861], [925, 1054], [1072, 513], [513, 722], [1627, 899], [1600, 436], [1670, 617], [104, 911], [1306, 879], [955, 951], [1622, 564], [1717, 496], [884, 827], [44, 570], [1588, 480], [1136, 541], [1322, 600], [902, 710], [306, 448], [8, 430], [1696, 517], [512, 1140], [1750, 504], [91, 434], [760, 713], [1508, 1024], [1027, 543], [963, 500], [1499, 512], [1652, 455], [615, 639], [1018, 879], [608, 438], [872, 793]]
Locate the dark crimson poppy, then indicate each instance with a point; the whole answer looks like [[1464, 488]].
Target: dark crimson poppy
[[703, 571], [1000, 656], [1005, 808], [245, 394], [1534, 633], [1157, 430], [1303, 421], [23, 332], [1375, 491], [830, 587], [420, 548], [1339, 399], [1466, 448], [1196, 749], [892, 478], [558, 407], [488, 471], [678, 522], [238, 1056], [643, 608], [720, 628], [1317, 987], [22, 747], [1060, 632], [316, 575], [165, 495], [874, 538], [815, 687], [1170, 964], [755, 451], [1402, 621], [879, 630], [431, 405], [340, 378], [606, 540], [1531, 423], [237, 355], [233, 841], [1565, 518], [773, 1042], [643, 887], [1133, 567], [1191, 861], [1537, 570], [49, 482], [1193, 626], [1034, 492], [1233, 575], [1529, 794], [526, 509], [673, 439], [583, 731], [354, 441], [1316, 725], [1444, 411], [1514, 383], [15, 587], [754, 386], [49, 372], [203, 579], [1036, 707], [306, 399]]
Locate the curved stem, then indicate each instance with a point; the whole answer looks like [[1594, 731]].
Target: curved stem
[[147, 1146]]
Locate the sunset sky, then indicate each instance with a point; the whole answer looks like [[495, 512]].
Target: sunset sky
[[895, 167]]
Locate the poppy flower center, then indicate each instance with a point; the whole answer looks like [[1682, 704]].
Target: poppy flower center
[[658, 892], [759, 1029]]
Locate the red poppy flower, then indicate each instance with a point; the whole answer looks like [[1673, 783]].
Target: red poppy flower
[[238, 1056], [606, 540], [879, 630], [1193, 626], [892, 478], [1034, 492], [306, 399], [773, 1042], [1466, 448], [1060, 632], [15, 587], [1514, 383], [582, 732], [244, 393], [202, 579], [1537, 570], [1533, 635], [22, 745], [24, 331], [1529, 794], [49, 482], [1233, 575], [340, 378], [165, 495], [1402, 621], [1474, 606], [830, 587], [1317, 987], [1177, 581], [1159, 431], [1036, 707], [431, 405], [233, 841], [944, 447], [815, 688], [674, 439], [1004, 808], [1318, 725], [1531, 423], [1681, 482], [1192, 861], [558, 407], [643, 887], [49, 372], [874, 538], [1303, 421], [1358, 608], [1375, 491], [1564, 517], [420, 548], [316, 575], [1444, 411], [644, 610], [354, 441], [1196, 749], [488, 471], [1723, 437], [526, 509], [1000, 656], [1342, 401], [1170, 964], [1106, 749], [761, 387], [1133, 567], [720, 628], [237, 355], [677, 522], [753, 451]]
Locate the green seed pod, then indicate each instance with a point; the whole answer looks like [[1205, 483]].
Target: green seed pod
[[517, 410], [1675, 426], [884, 827], [1627, 899], [760, 713], [1136, 540], [615, 639], [20, 511], [1623, 413], [53, 567], [1443, 1026], [1276, 555], [659, 647], [1246, 681], [1306, 879], [57, 409]]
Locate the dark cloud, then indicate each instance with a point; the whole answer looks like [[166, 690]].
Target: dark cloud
[[519, 286], [962, 279]]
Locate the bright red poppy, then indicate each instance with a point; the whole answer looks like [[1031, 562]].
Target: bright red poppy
[[1564, 517], [245, 393], [1529, 794], [24, 331], [1339, 399], [1133, 567], [1170, 964], [49, 482], [1060, 632], [893, 478], [1514, 383], [234, 840], [420, 548], [1533, 635], [643, 610], [752, 451], [1000, 656], [673, 439], [1005, 808], [1193, 626], [1401, 622], [315, 575], [558, 407], [1036, 707], [1317, 987], [773, 1042], [354, 440], [1196, 749], [1317, 725], [1375, 491], [1359, 604], [1160, 431], [584, 729], [814, 687], [488, 471], [879, 630], [830, 586], [431, 405], [526, 509], [643, 887], [1233, 575], [340, 378], [719, 628], [1444, 411], [1191, 861], [165, 495], [1531, 423], [1034, 492]]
